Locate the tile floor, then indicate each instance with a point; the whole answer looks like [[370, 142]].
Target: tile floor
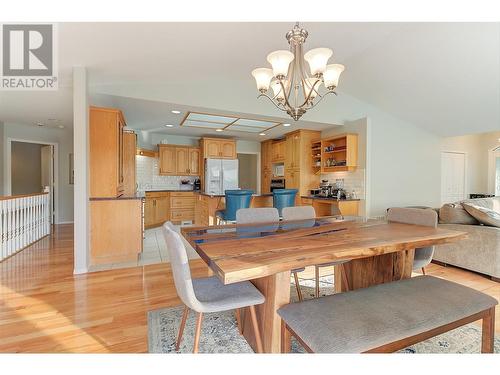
[[154, 251]]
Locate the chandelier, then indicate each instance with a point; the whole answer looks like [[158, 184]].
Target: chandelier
[[294, 91]]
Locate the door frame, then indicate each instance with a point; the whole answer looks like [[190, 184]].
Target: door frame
[[8, 170], [258, 166], [466, 184], [492, 155]]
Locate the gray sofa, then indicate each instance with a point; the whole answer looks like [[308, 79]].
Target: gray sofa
[[480, 252]]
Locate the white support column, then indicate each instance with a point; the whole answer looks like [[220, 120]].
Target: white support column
[[80, 153]]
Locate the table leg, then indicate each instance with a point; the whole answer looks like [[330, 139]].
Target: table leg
[[362, 273], [276, 289]]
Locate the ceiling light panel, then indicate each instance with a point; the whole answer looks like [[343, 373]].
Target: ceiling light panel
[[210, 118], [201, 124], [255, 123], [248, 129]]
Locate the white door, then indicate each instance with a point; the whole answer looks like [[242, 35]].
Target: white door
[[452, 177]]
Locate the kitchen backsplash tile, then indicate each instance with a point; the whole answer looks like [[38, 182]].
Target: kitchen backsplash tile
[[148, 177], [353, 181]]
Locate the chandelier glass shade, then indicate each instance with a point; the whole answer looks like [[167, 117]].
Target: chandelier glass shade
[[294, 89]]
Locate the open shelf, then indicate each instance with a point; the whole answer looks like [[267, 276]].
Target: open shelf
[[341, 149]]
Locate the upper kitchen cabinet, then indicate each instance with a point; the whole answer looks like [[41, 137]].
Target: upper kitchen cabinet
[[106, 152], [178, 160], [266, 166], [167, 160], [339, 153], [129, 151], [217, 148], [278, 151], [293, 150]]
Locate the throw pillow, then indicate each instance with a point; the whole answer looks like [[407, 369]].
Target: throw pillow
[[454, 213], [484, 215]]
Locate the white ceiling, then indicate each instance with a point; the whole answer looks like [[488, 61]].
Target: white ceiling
[[443, 77]]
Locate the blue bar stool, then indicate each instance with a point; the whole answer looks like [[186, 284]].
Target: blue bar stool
[[235, 199], [284, 198]]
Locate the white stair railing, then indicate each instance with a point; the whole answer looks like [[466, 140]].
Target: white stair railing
[[24, 220]]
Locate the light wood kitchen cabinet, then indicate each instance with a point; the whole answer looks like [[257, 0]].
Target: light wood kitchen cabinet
[[115, 230], [162, 206], [156, 209], [167, 160], [278, 151], [129, 167], [339, 153], [293, 150], [218, 148], [182, 207], [194, 161], [292, 178], [106, 152], [182, 160], [295, 153], [179, 160]]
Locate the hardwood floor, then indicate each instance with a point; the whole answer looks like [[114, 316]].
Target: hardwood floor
[[45, 308]]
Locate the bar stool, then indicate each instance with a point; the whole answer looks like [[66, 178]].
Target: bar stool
[[284, 198], [235, 200]]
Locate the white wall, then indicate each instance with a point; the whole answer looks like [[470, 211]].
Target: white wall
[[64, 137], [2, 155], [476, 147]]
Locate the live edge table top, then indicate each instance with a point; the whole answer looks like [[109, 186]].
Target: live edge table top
[[246, 252]]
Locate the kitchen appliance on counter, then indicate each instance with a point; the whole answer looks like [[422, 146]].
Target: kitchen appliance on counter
[[277, 183], [327, 190], [220, 175]]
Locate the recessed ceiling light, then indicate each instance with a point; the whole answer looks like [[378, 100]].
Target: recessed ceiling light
[[262, 134], [60, 126], [176, 111], [287, 124], [40, 124], [169, 126], [219, 130]]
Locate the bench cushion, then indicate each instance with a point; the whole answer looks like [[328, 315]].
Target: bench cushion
[[364, 319]]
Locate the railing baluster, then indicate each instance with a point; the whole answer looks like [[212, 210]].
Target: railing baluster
[[23, 221]]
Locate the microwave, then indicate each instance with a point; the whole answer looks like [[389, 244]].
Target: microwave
[[279, 170]]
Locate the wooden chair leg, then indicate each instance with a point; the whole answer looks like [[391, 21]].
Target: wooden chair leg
[[197, 332], [423, 271], [238, 320], [285, 338], [256, 329], [181, 328], [316, 275], [488, 333], [297, 286], [345, 280]]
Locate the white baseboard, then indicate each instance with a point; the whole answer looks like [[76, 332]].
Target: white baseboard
[[80, 271]]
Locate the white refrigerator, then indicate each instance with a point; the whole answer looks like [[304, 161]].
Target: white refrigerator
[[220, 175]]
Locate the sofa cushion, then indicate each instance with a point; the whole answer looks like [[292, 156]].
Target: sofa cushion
[[484, 215], [454, 213]]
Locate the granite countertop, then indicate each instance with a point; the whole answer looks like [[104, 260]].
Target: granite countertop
[[122, 198], [222, 195], [328, 199]]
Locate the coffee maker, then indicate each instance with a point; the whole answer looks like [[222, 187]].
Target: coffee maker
[[324, 189]]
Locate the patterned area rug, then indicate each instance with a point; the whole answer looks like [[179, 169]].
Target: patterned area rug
[[219, 333]]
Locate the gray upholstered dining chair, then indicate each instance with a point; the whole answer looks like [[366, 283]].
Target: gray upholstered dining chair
[[308, 213], [208, 294], [418, 216], [266, 215]]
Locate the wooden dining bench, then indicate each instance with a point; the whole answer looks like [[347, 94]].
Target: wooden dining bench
[[386, 317]]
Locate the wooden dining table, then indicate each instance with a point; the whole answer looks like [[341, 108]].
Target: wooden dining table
[[377, 251]]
